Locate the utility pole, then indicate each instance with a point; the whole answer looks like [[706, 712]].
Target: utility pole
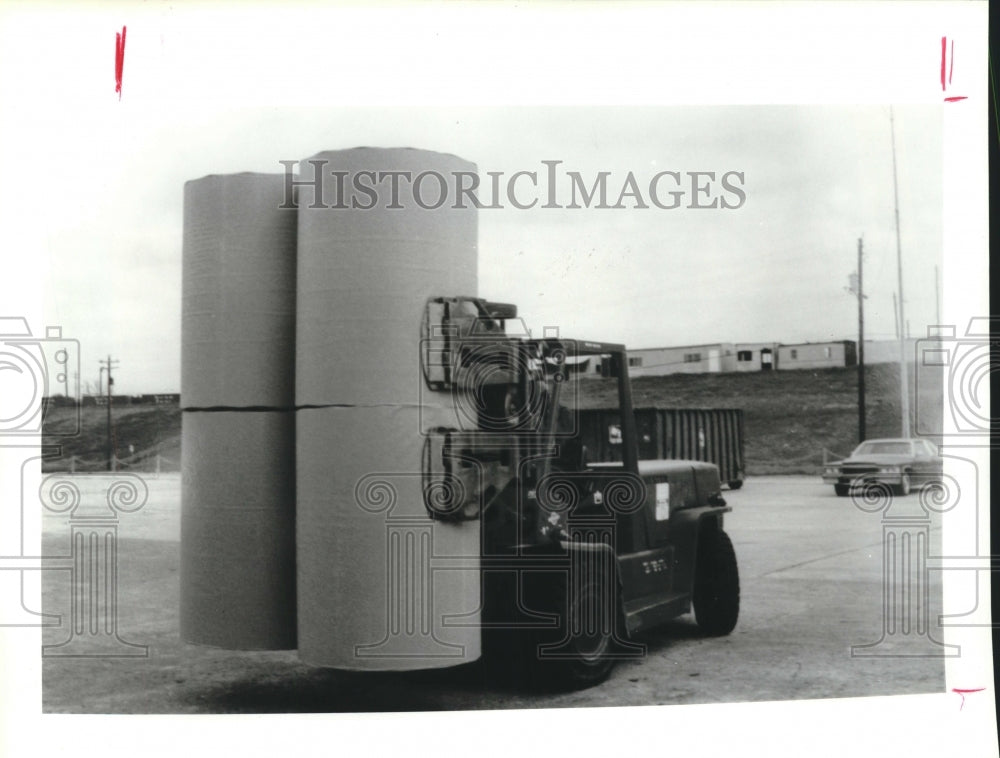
[[107, 366], [904, 391], [857, 288], [861, 345]]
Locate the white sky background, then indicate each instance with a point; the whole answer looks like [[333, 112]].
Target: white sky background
[[90, 231], [816, 178], [104, 216]]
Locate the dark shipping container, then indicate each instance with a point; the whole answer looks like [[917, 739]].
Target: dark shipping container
[[714, 435]]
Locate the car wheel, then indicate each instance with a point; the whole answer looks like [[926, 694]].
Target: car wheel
[[904, 487], [736, 484], [842, 490], [716, 584]]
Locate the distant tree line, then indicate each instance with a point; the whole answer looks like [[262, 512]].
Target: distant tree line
[[62, 401]]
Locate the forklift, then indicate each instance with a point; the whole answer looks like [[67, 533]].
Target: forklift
[[576, 557]]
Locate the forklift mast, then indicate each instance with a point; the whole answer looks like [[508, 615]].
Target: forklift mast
[[521, 421]]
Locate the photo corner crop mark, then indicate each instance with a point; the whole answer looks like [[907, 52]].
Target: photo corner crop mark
[[119, 60], [948, 70], [962, 692]]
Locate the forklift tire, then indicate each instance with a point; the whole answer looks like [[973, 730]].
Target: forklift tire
[[842, 490], [592, 622], [716, 584], [584, 640]]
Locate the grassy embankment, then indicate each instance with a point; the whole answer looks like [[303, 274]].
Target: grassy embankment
[[790, 417]]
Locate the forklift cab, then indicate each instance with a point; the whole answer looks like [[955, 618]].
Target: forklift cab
[[519, 421]]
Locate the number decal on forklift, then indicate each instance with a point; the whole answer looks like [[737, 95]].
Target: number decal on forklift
[[662, 501], [654, 567]]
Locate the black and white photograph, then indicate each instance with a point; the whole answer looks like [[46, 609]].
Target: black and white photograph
[[614, 377]]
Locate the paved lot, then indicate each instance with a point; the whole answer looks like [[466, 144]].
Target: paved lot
[[812, 576]]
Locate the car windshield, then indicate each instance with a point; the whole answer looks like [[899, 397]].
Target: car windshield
[[883, 448]]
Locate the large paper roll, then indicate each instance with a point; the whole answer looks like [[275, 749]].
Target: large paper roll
[[381, 586], [364, 273], [238, 312], [238, 529]]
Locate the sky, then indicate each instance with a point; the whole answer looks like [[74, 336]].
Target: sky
[[815, 178]]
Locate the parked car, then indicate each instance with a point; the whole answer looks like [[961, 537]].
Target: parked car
[[903, 464]]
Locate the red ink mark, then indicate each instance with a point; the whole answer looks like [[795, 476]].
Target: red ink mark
[[962, 693], [120, 60], [944, 56], [947, 69]]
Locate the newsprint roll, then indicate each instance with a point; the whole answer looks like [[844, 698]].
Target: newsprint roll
[[237, 394], [365, 273], [238, 292], [380, 585], [238, 529]]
